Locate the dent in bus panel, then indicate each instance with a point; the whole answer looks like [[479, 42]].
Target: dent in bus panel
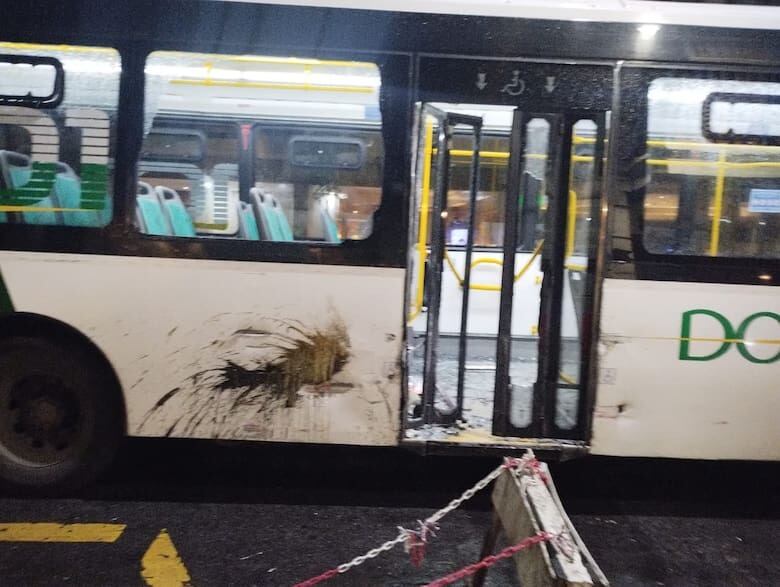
[[55, 145], [698, 198], [312, 129]]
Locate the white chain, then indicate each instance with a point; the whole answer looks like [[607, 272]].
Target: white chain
[[374, 552], [403, 535]]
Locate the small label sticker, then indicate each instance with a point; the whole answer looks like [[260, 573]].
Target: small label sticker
[[607, 375], [763, 201]]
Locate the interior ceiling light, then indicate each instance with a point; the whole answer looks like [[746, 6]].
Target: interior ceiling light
[[648, 31]]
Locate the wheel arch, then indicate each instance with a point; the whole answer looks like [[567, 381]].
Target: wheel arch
[[38, 325]]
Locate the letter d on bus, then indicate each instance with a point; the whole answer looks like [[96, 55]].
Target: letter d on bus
[[685, 336]]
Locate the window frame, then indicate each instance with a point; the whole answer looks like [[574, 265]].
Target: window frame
[[21, 236], [384, 247], [631, 173], [246, 166], [51, 101]]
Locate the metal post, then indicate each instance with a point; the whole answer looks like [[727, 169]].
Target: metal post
[[552, 286], [587, 325], [466, 285], [433, 280], [501, 397]]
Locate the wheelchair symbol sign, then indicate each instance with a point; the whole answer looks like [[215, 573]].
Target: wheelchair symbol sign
[[516, 86]]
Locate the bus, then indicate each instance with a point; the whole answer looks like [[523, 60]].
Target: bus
[[468, 227]]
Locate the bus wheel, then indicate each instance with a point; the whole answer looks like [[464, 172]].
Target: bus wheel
[[61, 418]]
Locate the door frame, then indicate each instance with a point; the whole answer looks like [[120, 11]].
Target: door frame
[[571, 112]]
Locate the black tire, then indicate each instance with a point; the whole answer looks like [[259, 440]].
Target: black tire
[[61, 416]]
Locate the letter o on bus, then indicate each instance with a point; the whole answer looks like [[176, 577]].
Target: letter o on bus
[[742, 333], [730, 336]]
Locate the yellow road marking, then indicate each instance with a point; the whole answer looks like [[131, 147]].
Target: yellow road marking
[[161, 565], [47, 532]]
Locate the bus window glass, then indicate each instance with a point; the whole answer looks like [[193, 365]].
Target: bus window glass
[[712, 198], [259, 148], [57, 112], [325, 180], [493, 166], [489, 213]]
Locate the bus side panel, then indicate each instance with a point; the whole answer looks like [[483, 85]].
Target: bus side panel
[[688, 370], [223, 349]]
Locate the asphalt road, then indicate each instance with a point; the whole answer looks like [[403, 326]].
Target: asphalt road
[[240, 514]]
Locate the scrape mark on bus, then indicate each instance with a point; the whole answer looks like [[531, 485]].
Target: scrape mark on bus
[[215, 401]]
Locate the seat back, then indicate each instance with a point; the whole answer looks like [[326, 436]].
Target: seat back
[[178, 217], [67, 191], [272, 221], [149, 212], [247, 222], [32, 182], [225, 198], [15, 169], [329, 228], [283, 229]]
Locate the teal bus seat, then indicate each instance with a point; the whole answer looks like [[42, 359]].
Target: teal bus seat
[[20, 175], [180, 220], [67, 190], [149, 212], [15, 169], [34, 180], [47, 217], [281, 218], [273, 222], [247, 223], [329, 227]]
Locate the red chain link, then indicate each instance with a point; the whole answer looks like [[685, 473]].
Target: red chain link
[[489, 561], [318, 579], [536, 467], [417, 540]]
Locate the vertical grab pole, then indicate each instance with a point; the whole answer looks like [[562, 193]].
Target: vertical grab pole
[[588, 325], [501, 394], [435, 263], [422, 237], [464, 307], [553, 265]]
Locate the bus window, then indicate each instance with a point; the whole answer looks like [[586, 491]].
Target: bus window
[[260, 148], [326, 181], [57, 106], [719, 195]]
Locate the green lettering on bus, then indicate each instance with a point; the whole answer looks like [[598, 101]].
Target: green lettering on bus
[[730, 336], [685, 336], [742, 330], [5, 298]]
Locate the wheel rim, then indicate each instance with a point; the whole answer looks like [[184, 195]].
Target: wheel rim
[[41, 420]]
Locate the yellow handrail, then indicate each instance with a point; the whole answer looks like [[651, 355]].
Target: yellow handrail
[[720, 182], [422, 238], [489, 286], [575, 266], [486, 261], [571, 223], [687, 144], [566, 379]]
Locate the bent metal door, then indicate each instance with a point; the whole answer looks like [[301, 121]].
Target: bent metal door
[[517, 341]]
